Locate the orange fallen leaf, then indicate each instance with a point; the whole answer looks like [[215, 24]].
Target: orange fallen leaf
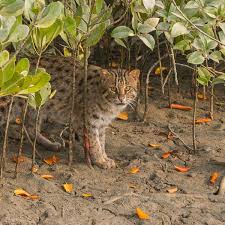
[[123, 116], [87, 195], [202, 97], [18, 120], [172, 190], [181, 107], [134, 170], [19, 159], [182, 169], [51, 160], [47, 176], [25, 194], [203, 120], [214, 177], [154, 145], [68, 187], [159, 69], [141, 214], [166, 154]]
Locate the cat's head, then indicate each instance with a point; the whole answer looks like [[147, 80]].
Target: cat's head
[[122, 85]]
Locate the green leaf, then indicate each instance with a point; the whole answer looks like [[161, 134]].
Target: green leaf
[[38, 81], [50, 14], [70, 26], [98, 5], [183, 45], [148, 40], [153, 22], [14, 8], [178, 29], [216, 56], [42, 37], [222, 26], [204, 76], [95, 35], [196, 58], [145, 28], [18, 34], [149, 4], [4, 57], [22, 67], [120, 42], [7, 72], [122, 32], [6, 25], [28, 6]]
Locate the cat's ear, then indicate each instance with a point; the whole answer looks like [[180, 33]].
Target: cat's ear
[[135, 73]]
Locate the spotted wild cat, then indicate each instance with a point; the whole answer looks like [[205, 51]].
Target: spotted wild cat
[[108, 94]]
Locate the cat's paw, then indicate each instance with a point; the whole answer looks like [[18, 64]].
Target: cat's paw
[[105, 163]]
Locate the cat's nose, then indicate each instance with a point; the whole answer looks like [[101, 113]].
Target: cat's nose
[[122, 98]]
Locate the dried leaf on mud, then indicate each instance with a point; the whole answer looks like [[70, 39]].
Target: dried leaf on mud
[[87, 195], [182, 169], [180, 107], [18, 120], [172, 190], [25, 194], [123, 116], [213, 178], [132, 186], [51, 160], [47, 176], [202, 97], [19, 159], [141, 214], [68, 187], [203, 120], [154, 145], [159, 69], [134, 170], [166, 154], [35, 168]]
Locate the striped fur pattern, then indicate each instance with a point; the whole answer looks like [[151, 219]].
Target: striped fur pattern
[[108, 93]]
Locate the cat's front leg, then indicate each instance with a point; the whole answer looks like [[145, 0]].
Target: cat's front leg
[[96, 152], [102, 142]]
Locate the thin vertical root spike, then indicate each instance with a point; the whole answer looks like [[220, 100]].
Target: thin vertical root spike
[[21, 138], [4, 148]]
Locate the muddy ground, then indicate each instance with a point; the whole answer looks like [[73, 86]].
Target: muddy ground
[[117, 193]]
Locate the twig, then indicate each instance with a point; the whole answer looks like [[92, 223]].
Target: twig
[[35, 138], [5, 139], [194, 113], [179, 138], [71, 130], [160, 62], [21, 138], [174, 64], [147, 83], [61, 133]]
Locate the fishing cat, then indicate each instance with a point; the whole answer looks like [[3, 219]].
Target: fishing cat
[[108, 93]]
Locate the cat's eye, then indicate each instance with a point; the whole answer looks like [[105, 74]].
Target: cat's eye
[[128, 88], [113, 89]]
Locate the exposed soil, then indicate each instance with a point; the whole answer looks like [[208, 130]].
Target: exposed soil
[[117, 193]]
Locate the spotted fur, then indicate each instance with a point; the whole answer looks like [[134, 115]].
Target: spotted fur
[[108, 94]]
